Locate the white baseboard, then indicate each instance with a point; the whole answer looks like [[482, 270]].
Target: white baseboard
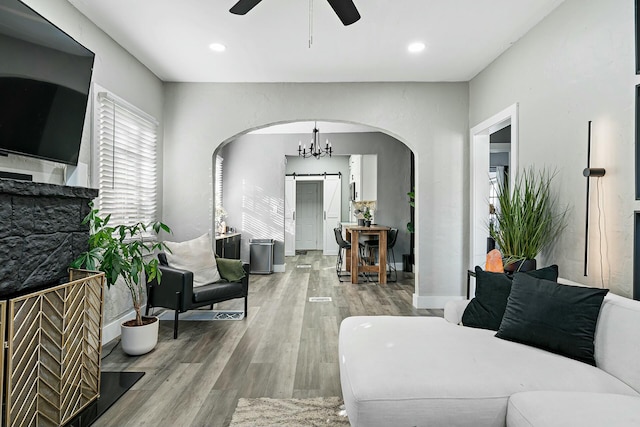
[[433, 301], [111, 331], [279, 268]]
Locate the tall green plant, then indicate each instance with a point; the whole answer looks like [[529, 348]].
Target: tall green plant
[[121, 252], [412, 203], [528, 218]]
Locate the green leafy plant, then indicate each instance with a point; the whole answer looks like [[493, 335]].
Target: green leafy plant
[[412, 203], [121, 251], [364, 209], [528, 217], [366, 214]]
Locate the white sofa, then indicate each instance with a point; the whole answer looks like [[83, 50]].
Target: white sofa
[[426, 371]]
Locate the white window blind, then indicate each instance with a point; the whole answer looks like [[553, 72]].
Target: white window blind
[[127, 172], [218, 183]]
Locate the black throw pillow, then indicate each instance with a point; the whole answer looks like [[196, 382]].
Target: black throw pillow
[[486, 309], [558, 318]]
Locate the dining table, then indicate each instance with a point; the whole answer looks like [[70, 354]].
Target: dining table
[[354, 263]]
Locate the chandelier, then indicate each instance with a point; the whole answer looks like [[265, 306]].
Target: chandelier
[[315, 150]]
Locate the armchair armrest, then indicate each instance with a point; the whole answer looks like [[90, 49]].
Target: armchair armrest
[[245, 280], [173, 280], [453, 310]]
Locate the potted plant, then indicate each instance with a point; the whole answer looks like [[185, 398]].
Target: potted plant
[[407, 259], [364, 211], [412, 203], [527, 218], [221, 214], [122, 253], [366, 215]]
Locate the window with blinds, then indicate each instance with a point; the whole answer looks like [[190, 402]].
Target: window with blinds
[[127, 174], [218, 183]]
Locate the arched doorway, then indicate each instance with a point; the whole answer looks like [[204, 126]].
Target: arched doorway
[[260, 204], [432, 119]]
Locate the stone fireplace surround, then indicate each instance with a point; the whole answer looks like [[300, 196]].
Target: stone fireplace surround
[[51, 329], [40, 233]]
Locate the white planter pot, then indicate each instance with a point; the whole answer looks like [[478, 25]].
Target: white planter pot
[[137, 340]]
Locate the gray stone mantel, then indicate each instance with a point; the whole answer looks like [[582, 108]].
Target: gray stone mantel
[[28, 188], [40, 233]]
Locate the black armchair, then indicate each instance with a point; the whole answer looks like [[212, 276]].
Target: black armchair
[[176, 291]]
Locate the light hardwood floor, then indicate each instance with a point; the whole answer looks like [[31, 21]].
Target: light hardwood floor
[[287, 347]]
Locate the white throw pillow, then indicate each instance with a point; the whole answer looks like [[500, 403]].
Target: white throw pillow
[[196, 256]]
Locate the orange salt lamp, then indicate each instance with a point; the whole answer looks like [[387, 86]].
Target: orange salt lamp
[[494, 262]]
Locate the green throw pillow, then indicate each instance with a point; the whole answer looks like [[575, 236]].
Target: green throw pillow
[[558, 318], [486, 309], [230, 269]]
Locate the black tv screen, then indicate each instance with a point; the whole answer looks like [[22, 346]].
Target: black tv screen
[[45, 77]]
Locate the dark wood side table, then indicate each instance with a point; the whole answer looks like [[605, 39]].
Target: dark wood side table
[[228, 245]]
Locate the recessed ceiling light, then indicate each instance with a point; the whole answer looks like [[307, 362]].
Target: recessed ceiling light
[[217, 47], [416, 47]]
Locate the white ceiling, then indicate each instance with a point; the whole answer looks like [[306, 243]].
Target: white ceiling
[[271, 42]]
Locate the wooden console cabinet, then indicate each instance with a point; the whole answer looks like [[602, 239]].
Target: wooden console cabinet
[[228, 245]]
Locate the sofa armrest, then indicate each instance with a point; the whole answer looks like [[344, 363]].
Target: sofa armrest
[[453, 310], [173, 280]]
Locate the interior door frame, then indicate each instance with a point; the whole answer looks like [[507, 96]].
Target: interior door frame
[[289, 216], [479, 150]]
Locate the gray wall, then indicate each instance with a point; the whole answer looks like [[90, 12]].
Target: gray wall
[[431, 119], [254, 169], [576, 65], [115, 69]]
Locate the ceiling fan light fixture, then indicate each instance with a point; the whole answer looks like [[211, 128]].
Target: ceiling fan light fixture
[[416, 47], [217, 47], [345, 9]]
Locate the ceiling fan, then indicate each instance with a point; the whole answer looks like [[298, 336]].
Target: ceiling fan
[[345, 9]]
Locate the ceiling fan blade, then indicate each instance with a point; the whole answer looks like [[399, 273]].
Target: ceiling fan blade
[[346, 11], [243, 6]]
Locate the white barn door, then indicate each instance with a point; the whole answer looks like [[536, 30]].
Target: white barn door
[[332, 208]]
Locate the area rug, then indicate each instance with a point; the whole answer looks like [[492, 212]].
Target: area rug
[[266, 412], [204, 315]]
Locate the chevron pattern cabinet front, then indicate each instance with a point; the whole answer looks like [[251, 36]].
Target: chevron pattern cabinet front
[[3, 327], [53, 357]]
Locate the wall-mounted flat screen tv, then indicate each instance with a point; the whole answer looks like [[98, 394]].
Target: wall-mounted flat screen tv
[[45, 77]]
